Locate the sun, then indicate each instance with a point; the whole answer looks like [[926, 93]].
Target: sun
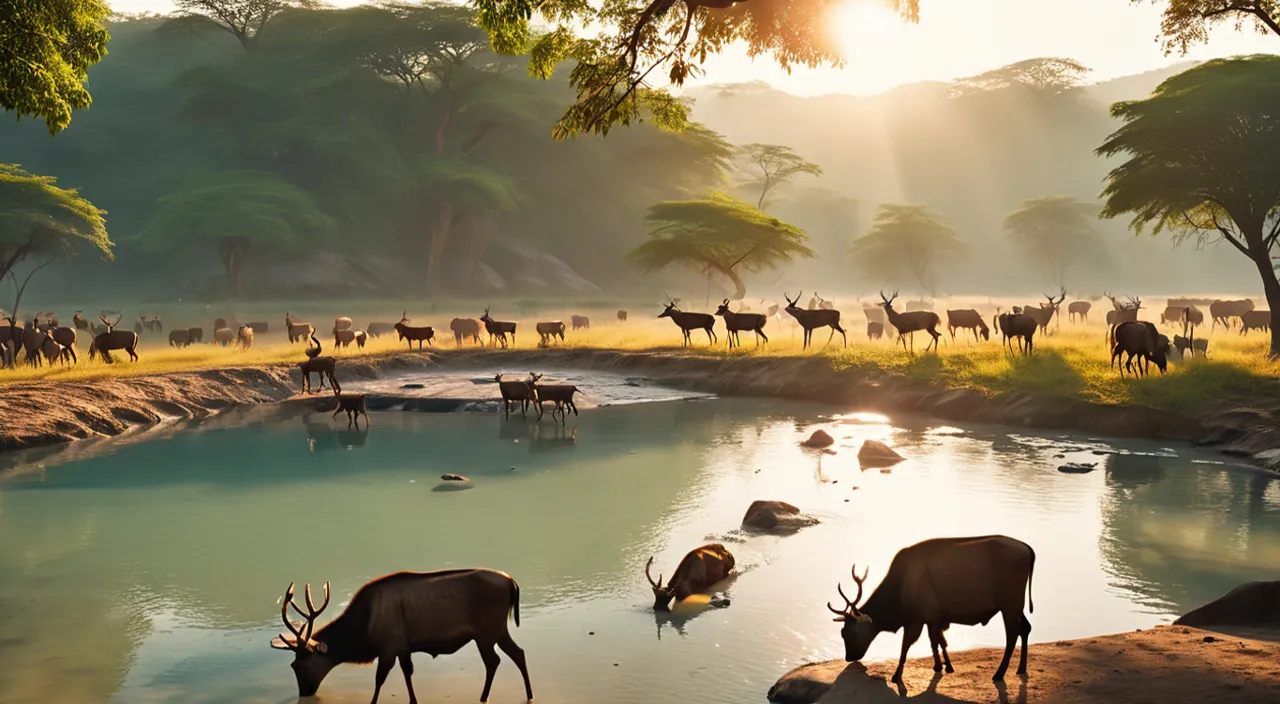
[[866, 29]]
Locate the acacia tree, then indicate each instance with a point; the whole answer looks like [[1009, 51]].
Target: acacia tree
[[239, 212], [1054, 233], [773, 165], [1199, 163], [717, 234], [243, 19], [46, 49], [631, 39], [906, 240], [1187, 22]]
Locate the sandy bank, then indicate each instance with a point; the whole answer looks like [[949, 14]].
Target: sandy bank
[[46, 413], [1160, 665]]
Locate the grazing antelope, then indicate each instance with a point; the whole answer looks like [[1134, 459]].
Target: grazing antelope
[[580, 322], [179, 338], [688, 322], [463, 328], [342, 323], [622, 316], [1172, 314], [910, 322], [811, 320], [344, 338], [244, 337], [79, 321], [315, 364], [1141, 340], [1195, 345], [396, 615], [66, 338], [1079, 309], [197, 335], [414, 334], [104, 343], [548, 331], [353, 405], [518, 392], [737, 322], [1018, 326], [969, 319], [1255, 320], [701, 569], [875, 331], [380, 329], [224, 337], [498, 329], [938, 582], [1224, 311], [297, 331], [561, 395]]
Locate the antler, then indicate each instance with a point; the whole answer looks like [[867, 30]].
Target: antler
[[284, 616], [657, 584], [313, 611], [854, 571]]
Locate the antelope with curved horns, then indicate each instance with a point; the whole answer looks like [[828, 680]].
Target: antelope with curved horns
[[812, 319], [910, 322]]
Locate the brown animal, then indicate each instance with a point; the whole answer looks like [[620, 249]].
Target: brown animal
[[1043, 314], [1173, 314], [811, 320], [32, 340], [396, 615], [1020, 326], [1122, 312], [179, 338], [1195, 345], [622, 316], [244, 337], [735, 323], [1193, 316], [970, 319], [1224, 311], [342, 323], [224, 337], [688, 322], [154, 324], [548, 331], [702, 568], [380, 329], [580, 322], [1079, 310], [315, 364], [353, 405], [412, 334], [561, 395], [197, 335], [935, 583], [910, 322], [344, 338], [1255, 320], [517, 392], [297, 331], [874, 315], [823, 304], [220, 323], [105, 342], [66, 339], [498, 329], [79, 321], [1141, 340], [463, 328], [875, 331]]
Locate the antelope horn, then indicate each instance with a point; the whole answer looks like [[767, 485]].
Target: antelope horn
[[284, 616], [836, 611], [648, 576], [865, 572], [840, 588]]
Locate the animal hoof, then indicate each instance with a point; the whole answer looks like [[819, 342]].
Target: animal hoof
[[950, 670]]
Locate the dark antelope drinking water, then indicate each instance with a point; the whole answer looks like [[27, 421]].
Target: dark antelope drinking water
[[936, 583], [396, 615], [498, 329], [113, 339], [702, 568], [688, 322], [811, 320], [414, 334], [737, 322], [911, 322]]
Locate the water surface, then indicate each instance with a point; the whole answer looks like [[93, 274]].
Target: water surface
[[152, 573]]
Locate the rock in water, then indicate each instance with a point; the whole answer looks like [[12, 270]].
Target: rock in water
[[1253, 604], [1078, 467], [775, 517], [877, 454], [454, 478], [820, 438], [806, 684]]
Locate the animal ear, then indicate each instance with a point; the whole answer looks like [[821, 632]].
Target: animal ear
[[319, 647], [284, 642]]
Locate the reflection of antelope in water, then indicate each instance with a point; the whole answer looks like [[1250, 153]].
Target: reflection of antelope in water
[[557, 440]]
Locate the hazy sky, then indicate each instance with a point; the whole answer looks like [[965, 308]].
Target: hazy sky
[[959, 38]]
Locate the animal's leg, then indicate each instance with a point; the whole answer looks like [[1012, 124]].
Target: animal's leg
[[942, 641], [1012, 628], [1025, 633], [709, 334], [910, 635], [406, 666], [336, 411], [516, 654], [936, 337], [385, 663], [933, 647], [491, 661]]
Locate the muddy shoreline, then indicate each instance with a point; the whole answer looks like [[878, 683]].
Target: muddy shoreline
[[39, 414]]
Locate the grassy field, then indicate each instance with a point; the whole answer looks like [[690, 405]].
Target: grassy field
[[1071, 363]]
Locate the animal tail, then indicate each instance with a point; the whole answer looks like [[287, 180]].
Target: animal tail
[[1031, 571], [515, 601]]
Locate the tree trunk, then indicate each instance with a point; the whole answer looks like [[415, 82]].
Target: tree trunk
[[439, 238], [234, 252], [1271, 287], [739, 287]]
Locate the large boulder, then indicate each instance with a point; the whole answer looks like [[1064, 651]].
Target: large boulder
[[485, 280], [806, 684], [775, 517], [532, 271], [1253, 604], [877, 454], [820, 438]]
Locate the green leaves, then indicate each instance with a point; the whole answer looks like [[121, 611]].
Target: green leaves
[[465, 185], [37, 217], [46, 49], [1187, 22], [906, 241], [1055, 232]]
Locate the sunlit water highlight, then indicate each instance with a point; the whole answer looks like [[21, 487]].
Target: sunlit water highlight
[[153, 574]]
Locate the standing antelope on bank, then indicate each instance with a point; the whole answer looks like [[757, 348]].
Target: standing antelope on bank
[[244, 337], [935, 583], [688, 322], [315, 364], [969, 319], [548, 331], [498, 329], [396, 615], [1043, 314], [462, 328], [737, 322], [297, 331], [344, 338], [516, 391], [911, 322], [114, 339], [701, 569], [811, 320], [1020, 326], [342, 323], [580, 322], [414, 334], [1080, 310]]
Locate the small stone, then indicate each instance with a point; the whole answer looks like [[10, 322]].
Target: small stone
[[591, 633], [454, 478], [1209, 639], [877, 454], [820, 438]]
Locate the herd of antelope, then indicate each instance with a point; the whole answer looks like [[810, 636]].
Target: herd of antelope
[[928, 587]]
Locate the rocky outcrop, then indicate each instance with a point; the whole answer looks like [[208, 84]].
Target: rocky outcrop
[[776, 517], [1253, 605], [877, 454], [806, 684], [523, 269], [819, 439]]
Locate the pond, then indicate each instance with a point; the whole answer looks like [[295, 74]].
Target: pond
[[153, 572]]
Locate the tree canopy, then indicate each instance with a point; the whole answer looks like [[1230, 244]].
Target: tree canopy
[[629, 40], [906, 241], [772, 165], [242, 19], [40, 220], [717, 234], [46, 49], [1054, 233], [1198, 162], [1187, 22]]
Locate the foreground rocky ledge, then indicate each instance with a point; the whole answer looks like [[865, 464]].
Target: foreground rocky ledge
[[44, 413], [1161, 665]]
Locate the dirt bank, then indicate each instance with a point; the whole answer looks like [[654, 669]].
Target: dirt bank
[[45, 413], [1160, 665]]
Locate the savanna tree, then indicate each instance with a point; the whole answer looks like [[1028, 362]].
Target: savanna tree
[[243, 19], [239, 213], [717, 234], [46, 49], [907, 241], [772, 165], [1055, 233], [1200, 165], [41, 222], [1187, 22], [629, 40]]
